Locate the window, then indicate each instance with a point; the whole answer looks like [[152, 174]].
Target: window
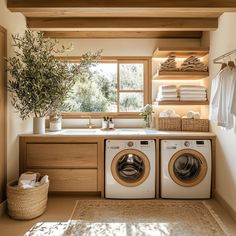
[[118, 87]]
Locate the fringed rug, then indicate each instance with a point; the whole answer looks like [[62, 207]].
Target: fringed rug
[[143, 218]]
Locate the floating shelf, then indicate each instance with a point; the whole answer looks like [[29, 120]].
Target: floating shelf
[[166, 103], [180, 75], [163, 52]]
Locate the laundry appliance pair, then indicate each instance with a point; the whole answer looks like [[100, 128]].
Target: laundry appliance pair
[[185, 169]]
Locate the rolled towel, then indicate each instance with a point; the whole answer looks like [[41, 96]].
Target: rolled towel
[[163, 114], [196, 115], [171, 112], [190, 114]]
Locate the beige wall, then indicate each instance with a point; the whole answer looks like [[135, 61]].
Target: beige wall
[[14, 23], [222, 41]]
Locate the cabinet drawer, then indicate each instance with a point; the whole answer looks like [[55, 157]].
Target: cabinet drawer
[[70, 180], [61, 155]]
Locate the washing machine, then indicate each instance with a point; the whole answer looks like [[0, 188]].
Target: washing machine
[[130, 169], [186, 169]]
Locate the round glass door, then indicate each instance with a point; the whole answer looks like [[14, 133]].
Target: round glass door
[[187, 167], [130, 168]]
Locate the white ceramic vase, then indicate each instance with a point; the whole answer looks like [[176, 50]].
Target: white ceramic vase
[[39, 125]]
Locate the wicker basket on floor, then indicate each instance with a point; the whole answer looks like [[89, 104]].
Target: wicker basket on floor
[[169, 123], [199, 125], [26, 204]]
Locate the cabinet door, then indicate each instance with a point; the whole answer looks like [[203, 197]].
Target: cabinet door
[[2, 114], [61, 155], [70, 180]]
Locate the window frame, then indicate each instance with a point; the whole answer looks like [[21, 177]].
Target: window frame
[[147, 90]]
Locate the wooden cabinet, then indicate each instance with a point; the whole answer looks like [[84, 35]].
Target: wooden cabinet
[[73, 164]]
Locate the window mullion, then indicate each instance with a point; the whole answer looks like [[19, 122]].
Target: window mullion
[[118, 86]]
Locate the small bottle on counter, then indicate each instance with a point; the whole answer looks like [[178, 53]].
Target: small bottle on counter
[[111, 124], [104, 123], [55, 122]]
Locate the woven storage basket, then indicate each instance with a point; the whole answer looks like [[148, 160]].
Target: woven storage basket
[[200, 125], [169, 123], [26, 204]]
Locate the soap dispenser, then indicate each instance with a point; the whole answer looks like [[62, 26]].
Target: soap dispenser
[[111, 124]]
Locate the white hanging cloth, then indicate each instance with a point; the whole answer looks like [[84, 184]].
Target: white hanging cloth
[[223, 98]]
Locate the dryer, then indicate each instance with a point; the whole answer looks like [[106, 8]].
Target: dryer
[[130, 169], [186, 168]]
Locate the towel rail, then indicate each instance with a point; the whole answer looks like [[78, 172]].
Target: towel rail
[[217, 60]]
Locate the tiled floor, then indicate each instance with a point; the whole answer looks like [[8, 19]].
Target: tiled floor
[[60, 209]]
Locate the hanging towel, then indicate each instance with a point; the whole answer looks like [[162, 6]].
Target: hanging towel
[[222, 105]]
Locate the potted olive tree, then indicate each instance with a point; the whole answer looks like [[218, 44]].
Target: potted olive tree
[[40, 83]]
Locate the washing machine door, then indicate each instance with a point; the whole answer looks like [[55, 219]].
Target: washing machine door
[[130, 167], [187, 167]]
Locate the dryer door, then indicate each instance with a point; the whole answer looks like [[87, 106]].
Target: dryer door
[[130, 167], [187, 167]]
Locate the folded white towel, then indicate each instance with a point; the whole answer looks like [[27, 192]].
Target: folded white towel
[[167, 96], [192, 89], [167, 99], [193, 99], [193, 92], [168, 90], [168, 93], [192, 96]]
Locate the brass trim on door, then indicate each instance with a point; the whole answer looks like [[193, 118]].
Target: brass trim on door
[[199, 178], [146, 167]]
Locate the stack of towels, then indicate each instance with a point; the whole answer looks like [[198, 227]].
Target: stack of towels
[[192, 93], [170, 64], [193, 64], [168, 113], [167, 93]]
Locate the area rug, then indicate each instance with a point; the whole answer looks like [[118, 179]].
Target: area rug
[[142, 218]]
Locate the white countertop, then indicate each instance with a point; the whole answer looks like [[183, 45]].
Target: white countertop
[[122, 132]]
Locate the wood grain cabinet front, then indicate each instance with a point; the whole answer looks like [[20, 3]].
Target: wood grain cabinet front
[[61, 155], [70, 180]]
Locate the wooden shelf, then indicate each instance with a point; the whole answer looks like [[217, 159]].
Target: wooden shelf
[[163, 52], [166, 103], [180, 75]]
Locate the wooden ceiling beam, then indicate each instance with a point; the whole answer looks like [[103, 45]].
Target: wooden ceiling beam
[[122, 24], [116, 12], [225, 5], [122, 34]]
